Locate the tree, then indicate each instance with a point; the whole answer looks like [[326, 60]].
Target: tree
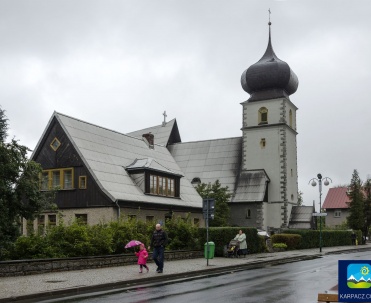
[[300, 198], [221, 196], [20, 196], [367, 206], [356, 218]]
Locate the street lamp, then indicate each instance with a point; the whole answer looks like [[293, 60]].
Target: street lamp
[[314, 183]]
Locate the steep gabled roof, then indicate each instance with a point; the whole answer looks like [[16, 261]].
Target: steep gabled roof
[[336, 198], [252, 186], [106, 153], [210, 160], [302, 217], [164, 134]]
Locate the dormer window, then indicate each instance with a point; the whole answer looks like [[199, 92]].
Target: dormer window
[[263, 115], [158, 180], [162, 186]]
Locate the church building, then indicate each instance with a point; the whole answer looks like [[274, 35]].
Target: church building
[[150, 174]]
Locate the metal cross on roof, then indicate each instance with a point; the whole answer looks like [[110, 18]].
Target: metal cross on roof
[[164, 123], [269, 10]]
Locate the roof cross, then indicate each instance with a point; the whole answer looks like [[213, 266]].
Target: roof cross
[[164, 114], [269, 10]]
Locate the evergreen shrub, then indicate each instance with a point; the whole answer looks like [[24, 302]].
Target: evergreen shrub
[[292, 241], [310, 238]]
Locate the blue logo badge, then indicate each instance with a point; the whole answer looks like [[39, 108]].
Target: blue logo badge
[[354, 281]]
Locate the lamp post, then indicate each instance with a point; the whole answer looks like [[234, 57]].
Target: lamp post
[[314, 183]]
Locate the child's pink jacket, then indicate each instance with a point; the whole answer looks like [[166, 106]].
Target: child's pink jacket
[[142, 256]]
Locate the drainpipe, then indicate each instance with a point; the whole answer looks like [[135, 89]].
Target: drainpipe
[[118, 210]]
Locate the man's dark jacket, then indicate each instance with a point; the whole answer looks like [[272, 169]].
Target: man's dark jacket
[[159, 238]]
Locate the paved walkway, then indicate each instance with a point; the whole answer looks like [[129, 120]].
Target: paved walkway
[[75, 282]]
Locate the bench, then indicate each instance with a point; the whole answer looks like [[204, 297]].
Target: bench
[[328, 298]]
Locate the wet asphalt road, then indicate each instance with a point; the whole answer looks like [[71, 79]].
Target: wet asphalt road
[[297, 282]]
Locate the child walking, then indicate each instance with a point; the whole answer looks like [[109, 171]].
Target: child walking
[[142, 255]]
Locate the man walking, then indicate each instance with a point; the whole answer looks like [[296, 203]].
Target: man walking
[[158, 241]]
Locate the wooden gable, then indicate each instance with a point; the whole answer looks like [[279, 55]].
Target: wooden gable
[[66, 156]]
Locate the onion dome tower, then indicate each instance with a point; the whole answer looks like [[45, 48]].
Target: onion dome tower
[[269, 136], [270, 77]]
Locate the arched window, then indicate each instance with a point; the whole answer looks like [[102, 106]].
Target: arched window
[[263, 115], [290, 118]]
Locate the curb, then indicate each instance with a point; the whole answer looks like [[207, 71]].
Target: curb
[[165, 279]]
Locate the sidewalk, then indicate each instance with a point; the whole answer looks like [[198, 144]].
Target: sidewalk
[[77, 282]]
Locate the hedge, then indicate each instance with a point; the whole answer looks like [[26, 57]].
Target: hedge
[[310, 238], [292, 241], [221, 236]]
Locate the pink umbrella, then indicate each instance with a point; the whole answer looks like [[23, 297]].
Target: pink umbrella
[[133, 243]]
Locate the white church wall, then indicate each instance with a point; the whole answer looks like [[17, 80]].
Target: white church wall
[[273, 215], [251, 112], [292, 174], [268, 157]]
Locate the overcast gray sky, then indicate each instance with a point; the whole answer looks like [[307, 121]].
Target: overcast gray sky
[[120, 64]]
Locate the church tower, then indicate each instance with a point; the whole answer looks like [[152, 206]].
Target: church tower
[[269, 132]]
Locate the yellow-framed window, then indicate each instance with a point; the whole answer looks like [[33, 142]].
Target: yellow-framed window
[[52, 220], [82, 182], [57, 178], [55, 144]]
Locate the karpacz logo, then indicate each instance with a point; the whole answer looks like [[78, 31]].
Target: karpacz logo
[[359, 275], [355, 280]]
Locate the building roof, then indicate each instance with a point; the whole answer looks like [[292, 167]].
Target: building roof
[[252, 186], [336, 198], [210, 160], [150, 164], [302, 217], [163, 134], [107, 153], [220, 159]]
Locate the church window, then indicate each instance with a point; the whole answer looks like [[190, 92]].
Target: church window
[[263, 115], [55, 144], [248, 214], [57, 179], [162, 186], [196, 181], [290, 118], [292, 197], [262, 143], [292, 173], [82, 182]]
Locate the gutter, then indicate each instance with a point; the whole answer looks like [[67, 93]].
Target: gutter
[[118, 210]]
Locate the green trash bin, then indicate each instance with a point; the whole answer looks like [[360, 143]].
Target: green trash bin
[[210, 255]]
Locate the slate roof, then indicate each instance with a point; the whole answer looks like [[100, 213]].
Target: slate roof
[[252, 186], [301, 217], [210, 160], [149, 164], [161, 133], [336, 198], [106, 153], [220, 159]]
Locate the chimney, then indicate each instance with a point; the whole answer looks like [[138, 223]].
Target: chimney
[[150, 138]]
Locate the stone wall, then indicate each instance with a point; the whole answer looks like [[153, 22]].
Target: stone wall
[[30, 267]]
